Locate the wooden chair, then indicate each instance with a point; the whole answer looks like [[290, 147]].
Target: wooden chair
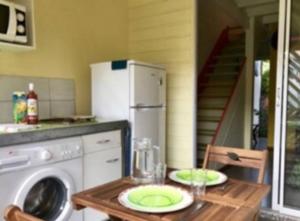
[[238, 157], [14, 213]]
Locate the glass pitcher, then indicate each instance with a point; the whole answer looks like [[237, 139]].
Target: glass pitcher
[[145, 157]]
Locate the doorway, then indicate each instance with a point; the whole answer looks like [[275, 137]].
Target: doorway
[[260, 104]]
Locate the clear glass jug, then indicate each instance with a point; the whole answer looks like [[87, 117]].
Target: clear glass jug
[[145, 157]]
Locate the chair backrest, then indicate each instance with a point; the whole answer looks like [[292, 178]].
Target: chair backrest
[[14, 213], [238, 157]]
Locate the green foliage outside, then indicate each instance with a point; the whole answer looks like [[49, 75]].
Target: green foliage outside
[[263, 114]]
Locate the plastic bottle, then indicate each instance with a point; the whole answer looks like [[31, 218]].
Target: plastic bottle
[[32, 106]]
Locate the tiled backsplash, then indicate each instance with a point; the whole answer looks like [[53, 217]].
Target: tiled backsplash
[[56, 97]]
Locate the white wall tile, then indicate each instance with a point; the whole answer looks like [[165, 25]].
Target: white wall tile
[[44, 109], [62, 109], [6, 112], [62, 89], [10, 84]]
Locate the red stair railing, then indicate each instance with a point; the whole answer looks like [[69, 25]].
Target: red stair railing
[[220, 44]]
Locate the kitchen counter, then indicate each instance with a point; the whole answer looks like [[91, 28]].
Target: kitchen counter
[[56, 131]]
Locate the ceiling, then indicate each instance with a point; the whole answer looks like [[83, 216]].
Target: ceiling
[[266, 10]]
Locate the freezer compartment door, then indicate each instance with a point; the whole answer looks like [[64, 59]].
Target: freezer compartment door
[[110, 92], [150, 123], [147, 86]]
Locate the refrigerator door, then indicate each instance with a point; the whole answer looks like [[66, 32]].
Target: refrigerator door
[[150, 123], [110, 91], [147, 86]]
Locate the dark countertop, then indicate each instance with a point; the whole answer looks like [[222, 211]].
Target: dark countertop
[[59, 131]]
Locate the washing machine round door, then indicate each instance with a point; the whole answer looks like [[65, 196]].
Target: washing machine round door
[[46, 194]]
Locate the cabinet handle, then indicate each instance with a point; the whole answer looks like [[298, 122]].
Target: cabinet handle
[[113, 160], [103, 141]]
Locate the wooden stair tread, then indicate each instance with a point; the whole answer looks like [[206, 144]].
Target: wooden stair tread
[[235, 45], [216, 74], [231, 55], [233, 64], [217, 84], [210, 107], [206, 132], [207, 95], [209, 118]]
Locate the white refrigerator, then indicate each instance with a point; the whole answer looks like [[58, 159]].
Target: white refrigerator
[[135, 91]]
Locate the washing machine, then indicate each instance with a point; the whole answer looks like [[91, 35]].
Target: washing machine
[[41, 177]]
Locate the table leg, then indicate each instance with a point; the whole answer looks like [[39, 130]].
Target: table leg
[[112, 218]]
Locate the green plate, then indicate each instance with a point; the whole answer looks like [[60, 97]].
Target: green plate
[[155, 198], [209, 177], [212, 177]]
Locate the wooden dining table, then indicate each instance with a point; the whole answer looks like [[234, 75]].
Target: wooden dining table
[[234, 200]]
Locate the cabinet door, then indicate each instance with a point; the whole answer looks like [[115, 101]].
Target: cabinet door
[[101, 141], [99, 168]]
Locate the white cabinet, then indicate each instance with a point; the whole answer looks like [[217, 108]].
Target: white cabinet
[[102, 163]]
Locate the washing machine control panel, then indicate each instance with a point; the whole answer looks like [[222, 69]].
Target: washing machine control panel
[[22, 156]]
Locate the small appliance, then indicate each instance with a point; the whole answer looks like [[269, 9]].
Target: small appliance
[[12, 22]]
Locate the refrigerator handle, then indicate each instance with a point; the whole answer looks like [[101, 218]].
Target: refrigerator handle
[[139, 105], [161, 81]]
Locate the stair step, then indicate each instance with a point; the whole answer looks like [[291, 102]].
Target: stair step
[[222, 73], [217, 84], [226, 60], [211, 107], [231, 55], [207, 125], [206, 132], [204, 139], [233, 49], [209, 113], [233, 64], [216, 98], [216, 91], [235, 45], [237, 38], [213, 96], [209, 118], [201, 146], [224, 69], [219, 81], [236, 31]]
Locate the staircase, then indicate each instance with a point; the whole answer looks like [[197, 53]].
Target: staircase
[[216, 84]]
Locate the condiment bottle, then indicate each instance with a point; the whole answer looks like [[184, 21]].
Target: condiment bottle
[[32, 106]]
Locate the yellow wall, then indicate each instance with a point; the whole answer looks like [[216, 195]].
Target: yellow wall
[[162, 31], [71, 35]]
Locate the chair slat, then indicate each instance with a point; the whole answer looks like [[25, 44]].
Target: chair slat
[[242, 162], [255, 154]]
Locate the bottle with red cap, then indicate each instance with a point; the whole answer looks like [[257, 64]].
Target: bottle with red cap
[[32, 106]]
